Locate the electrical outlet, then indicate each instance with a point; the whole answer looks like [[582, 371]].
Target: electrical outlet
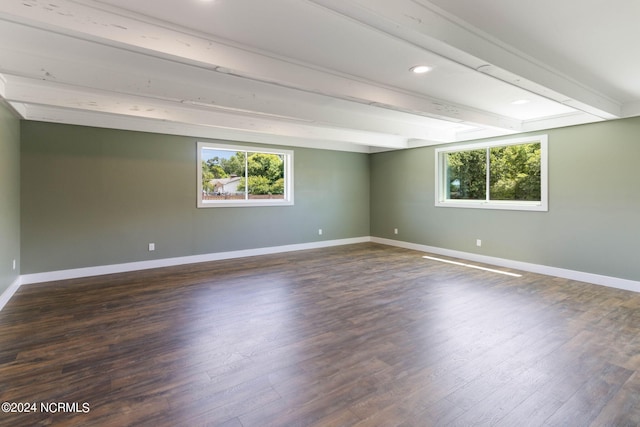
[[478, 242], [319, 231], [14, 264], [152, 247], [395, 231]]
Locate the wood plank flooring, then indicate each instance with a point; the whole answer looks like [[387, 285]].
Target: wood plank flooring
[[357, 335]]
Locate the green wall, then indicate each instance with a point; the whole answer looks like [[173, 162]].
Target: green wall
[[95, 197], [593, 222], [9, 197]]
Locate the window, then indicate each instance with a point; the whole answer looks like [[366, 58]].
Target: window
[[510, 174], [230, 175]]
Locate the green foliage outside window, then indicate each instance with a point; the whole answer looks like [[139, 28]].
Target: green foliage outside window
[[514, 173], [265, 172], [466, 173]]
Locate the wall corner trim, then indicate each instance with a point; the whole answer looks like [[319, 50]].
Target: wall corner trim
[[8, 293], [596, 279], [168, 262]]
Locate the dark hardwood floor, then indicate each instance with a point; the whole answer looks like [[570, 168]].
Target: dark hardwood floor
[[358, 335]]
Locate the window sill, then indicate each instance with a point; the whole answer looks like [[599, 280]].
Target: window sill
[[513, 206], [244, 204]]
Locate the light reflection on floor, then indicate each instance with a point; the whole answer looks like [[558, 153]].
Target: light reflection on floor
[[473, 266]]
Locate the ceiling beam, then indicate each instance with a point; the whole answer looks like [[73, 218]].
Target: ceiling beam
[[106, 120], [36, 94], [425, 25], [196, 87], [176, 44]]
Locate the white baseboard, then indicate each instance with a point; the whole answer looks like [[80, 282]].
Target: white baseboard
[[612, 282], [597, 279], [168, 262], [8, 293]]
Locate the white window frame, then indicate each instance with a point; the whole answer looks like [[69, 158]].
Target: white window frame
[[441, 170], [288, 177]]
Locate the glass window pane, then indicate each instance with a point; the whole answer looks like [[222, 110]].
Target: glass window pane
[[235, 176], [222, 172], [265, 174], [466, 176], [515, 172]]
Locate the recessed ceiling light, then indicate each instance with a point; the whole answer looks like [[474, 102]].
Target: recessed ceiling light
[[520, 102], [420, 69]]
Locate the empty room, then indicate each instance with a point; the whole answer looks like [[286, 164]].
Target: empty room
[[319, 213]]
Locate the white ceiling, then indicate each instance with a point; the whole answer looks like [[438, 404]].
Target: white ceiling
[[321, 73]]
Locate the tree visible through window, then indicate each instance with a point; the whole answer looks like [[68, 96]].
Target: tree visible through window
[[466, 175], [515, 172], [506, 175], [234, 176]]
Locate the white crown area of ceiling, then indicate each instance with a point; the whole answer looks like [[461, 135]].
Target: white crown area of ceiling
[[320, 73]]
